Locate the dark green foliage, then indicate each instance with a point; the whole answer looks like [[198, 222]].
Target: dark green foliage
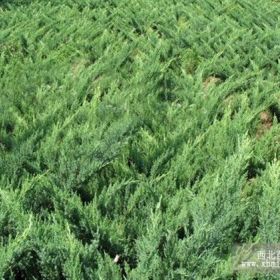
[[146, 131]]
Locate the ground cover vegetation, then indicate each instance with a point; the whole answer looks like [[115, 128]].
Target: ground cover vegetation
[[138, 139]]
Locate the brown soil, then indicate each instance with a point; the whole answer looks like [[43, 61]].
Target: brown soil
[[211, 81], [265, 124]]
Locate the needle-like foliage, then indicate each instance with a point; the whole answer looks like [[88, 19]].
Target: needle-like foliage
[[138, 139]]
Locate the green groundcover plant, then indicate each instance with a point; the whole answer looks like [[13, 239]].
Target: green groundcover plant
[[138, 139]]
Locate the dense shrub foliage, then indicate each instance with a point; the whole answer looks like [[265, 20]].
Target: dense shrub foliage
[[138, 139]]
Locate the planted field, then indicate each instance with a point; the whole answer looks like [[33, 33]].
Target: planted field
[[138, 139]]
